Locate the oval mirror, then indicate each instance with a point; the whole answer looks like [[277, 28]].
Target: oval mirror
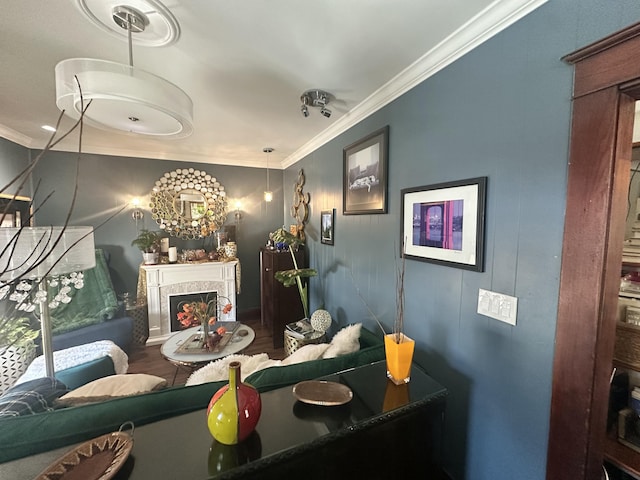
[[188, 203]]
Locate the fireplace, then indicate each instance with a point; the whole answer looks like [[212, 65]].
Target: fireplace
[[177, 301], [169, 280]]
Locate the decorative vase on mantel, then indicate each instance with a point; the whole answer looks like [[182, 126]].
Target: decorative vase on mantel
[[398, 349], [234, 410], [231, 250]]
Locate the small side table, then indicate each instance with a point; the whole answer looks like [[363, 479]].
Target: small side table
[[292, 343], [140, 317]]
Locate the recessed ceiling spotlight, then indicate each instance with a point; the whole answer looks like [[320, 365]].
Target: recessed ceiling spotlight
[[48, 128]]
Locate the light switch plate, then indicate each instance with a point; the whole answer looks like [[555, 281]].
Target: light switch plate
[[498, 305]]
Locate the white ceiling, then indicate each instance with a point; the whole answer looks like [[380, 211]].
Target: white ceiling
[[245, 64]]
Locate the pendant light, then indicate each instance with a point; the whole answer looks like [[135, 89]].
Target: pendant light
[[124, 98], [268, 194]]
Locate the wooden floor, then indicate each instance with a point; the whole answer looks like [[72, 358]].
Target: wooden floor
[[149, 360]]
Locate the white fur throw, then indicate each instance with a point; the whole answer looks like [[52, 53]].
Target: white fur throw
[[219, 369], [343, 342], [306, 353]]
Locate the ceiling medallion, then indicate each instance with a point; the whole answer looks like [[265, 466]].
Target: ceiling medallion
[[162, 28]]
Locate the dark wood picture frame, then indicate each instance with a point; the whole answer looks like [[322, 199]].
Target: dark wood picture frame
[[444, 223], [327, 222], [15, 211], [366, 163]]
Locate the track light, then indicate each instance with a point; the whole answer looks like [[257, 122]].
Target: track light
[[315, 98]]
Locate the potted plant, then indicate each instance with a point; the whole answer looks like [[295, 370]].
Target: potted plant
[[149, 244], [295, 275], [17, 350]]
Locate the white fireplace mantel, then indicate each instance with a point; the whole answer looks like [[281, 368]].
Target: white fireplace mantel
[[172, 279]]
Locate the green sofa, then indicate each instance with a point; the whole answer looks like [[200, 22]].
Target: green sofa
[[30, 434]]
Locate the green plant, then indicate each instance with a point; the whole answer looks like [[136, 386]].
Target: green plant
[[17, 332], [147, 241], [295, 275]]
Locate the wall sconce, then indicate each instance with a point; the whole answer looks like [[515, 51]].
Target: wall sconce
[[238, 214], [136, 214], [268, 194]]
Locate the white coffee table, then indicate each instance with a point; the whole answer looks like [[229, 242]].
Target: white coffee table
[[194, 360]]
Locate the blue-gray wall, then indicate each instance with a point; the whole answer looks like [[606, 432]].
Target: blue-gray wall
[[502, 111], [106, 184], [13, 160]]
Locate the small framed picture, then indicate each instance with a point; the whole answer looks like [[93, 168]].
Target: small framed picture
[[444, 223], [326, 226], [364, 189]]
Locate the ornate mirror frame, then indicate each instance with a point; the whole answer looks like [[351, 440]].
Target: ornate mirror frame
[[176, 209]]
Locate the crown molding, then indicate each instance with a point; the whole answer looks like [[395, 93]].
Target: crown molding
[[16, 137], [486, 24]]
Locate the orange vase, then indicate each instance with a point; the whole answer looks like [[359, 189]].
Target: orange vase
[[399, 357]]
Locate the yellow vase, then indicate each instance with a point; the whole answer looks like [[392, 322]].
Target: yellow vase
[[399, 357]]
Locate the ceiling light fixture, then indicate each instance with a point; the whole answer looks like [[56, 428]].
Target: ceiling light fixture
[[315, 98], [268, 194], [123, 98]]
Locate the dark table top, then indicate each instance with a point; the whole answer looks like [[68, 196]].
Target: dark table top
[[182, 447]]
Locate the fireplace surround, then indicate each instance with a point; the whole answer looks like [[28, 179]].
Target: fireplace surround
[[165, 280]]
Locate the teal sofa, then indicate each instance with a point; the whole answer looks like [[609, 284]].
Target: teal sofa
[[30, 434]]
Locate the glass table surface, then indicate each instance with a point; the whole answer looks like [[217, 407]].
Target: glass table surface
[[182, 447]]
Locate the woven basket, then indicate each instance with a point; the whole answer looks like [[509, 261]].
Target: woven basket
[[291, 343]]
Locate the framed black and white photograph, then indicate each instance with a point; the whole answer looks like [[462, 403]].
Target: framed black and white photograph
[[15, 211], [326, 226], [444, 223], [366, 162]]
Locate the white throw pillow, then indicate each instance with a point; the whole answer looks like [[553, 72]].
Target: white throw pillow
[[111, 387], [345, 341], [306, 353]]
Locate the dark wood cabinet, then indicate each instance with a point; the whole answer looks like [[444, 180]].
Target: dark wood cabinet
[[279, 305]]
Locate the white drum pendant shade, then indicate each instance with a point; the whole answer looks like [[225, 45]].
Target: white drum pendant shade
[[123, 98]]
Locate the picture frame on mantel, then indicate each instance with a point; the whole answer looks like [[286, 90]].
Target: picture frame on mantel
[[444, 223], [326, 226], [366, 164]]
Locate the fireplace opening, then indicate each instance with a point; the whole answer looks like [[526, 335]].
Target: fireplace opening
[[177, 301]]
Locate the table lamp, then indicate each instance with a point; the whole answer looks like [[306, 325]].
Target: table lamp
[[44, 256]]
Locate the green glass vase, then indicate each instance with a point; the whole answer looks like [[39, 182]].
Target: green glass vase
[[234, 410]]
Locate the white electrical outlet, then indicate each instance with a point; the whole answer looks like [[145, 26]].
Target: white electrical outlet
[[497, 305]]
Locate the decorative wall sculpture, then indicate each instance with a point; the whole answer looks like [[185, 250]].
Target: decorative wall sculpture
[[300, 207]]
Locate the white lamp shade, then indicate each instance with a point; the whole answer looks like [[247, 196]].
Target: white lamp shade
[[30, 251], [123, 98]]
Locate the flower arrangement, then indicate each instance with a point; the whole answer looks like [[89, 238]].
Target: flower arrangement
[[205, 313]]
